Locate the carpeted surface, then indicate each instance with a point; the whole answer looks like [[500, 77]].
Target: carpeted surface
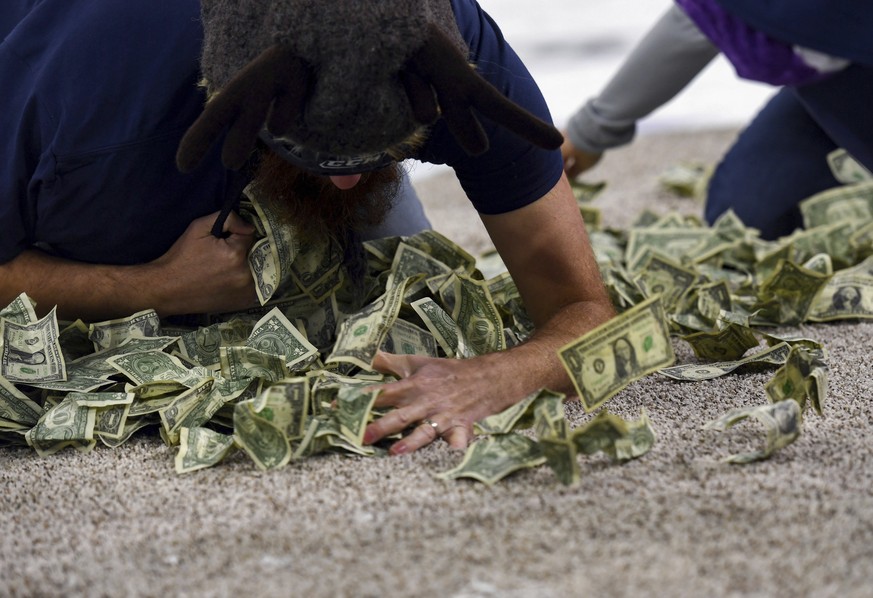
[[676, 522]]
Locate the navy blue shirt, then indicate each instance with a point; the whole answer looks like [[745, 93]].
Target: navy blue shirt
[[98, 93]]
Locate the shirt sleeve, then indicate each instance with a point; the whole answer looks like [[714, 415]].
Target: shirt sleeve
[[20, 155], [512, 173], [670, 55]]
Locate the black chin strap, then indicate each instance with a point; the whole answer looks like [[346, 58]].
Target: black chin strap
[[226, 209]]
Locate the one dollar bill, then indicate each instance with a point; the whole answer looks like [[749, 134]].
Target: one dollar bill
[[621, 351]]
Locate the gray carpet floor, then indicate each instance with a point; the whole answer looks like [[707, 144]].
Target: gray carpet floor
[[676, 522]]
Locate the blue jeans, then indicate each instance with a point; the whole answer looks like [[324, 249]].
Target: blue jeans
[[780, 158]]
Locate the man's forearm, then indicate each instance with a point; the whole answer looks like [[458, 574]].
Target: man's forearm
[[89, 291], [537, 360]]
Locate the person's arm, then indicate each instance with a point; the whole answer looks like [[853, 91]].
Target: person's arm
[[200, 273], [546, 248], [670, 55]]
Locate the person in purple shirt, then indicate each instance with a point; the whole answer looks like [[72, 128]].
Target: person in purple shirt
[[821, 55], [117, 165]]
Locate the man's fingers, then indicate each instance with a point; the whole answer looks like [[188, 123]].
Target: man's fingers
[[401, 366], [392, 422], [572, 169], [395, 394], [458, 436], [422, 435], [236, 225]]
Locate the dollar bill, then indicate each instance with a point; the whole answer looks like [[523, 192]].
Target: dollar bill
[[850, 203], [31, 353], [202, 346], [319, 322], [847, 295], [109, 421], [697, 372], [406, 338], [270, 258], [663, 276], [503, 289], [131, 427], [65, 424], [600, 434], [92, 371], [361, 334], [15, 406], [561, 455], [802, 378], [286, 405], [624, 349], [102, 399], [476, 315], [549, 420], [712, 299], [354, 404], [820, 263], [519, 416], [786, 297], [444, 329], [674, 243], [154, 366], [861, 241], [409, 261], [21, 310], [686, 179], [846, 169], [275, 335], [248, 363], [492, 458], [265, 269], [781, 421], [638, 441], [443, 250], [729, 343], [263, 441], [113, 333], [832, 238], [192, 408], [317, 268], [200, 448]]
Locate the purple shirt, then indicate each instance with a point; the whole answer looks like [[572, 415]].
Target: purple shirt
[[754, 54]]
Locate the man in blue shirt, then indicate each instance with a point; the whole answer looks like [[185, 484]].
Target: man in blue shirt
[[96, 98], [98, 220]]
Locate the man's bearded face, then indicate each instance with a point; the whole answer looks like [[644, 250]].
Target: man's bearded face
[[315, 206]]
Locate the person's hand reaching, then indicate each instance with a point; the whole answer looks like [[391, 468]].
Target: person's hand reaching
[[577, 161], [202, 273], [440, 398]]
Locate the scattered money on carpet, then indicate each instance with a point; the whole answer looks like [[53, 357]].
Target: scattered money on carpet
[[293, 377]]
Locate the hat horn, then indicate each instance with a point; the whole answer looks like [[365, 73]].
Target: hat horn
[[459, 89], [276, 78]]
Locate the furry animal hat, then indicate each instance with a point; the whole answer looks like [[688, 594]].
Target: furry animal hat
[[349, 84]]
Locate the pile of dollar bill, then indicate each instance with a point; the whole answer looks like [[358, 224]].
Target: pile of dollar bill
[[293, 377]]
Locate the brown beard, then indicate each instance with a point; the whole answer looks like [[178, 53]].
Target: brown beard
[[316, 207]]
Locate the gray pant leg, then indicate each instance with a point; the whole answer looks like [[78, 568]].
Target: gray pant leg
[[406, 218], [671, 54]]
